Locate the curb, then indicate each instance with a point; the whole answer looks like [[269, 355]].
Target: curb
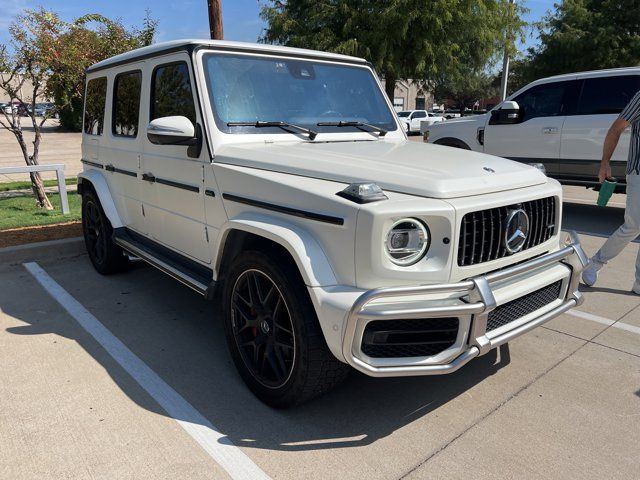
[[52, 249]]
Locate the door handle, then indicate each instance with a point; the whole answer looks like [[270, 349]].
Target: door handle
[[550, 130], [148, 177]]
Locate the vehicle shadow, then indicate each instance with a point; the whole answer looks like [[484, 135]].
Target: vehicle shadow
[[615, 291], [591, 219], [179, 335]]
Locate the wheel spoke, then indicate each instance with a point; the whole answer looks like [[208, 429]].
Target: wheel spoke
[[242, 313], [278, 369]]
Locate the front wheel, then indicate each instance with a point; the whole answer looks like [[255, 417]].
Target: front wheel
[[273, 333]]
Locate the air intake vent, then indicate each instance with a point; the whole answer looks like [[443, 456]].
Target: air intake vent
[[522, 306], [409, 338]]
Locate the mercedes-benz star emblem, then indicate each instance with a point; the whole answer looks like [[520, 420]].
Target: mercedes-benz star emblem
[[489, 169], [516, 230]]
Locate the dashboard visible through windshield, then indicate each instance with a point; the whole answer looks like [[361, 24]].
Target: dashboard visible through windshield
[[245, 89]]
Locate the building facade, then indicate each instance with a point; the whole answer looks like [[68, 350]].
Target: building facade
[[409, 95]]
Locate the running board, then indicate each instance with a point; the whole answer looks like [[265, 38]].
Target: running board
[[171, 265]]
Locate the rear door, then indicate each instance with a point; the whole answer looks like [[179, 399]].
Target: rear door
[[536, 137], [601, 101], [122, 157]]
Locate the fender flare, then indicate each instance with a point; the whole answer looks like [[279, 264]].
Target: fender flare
[[452, 142], [312, 262], [99, 184]]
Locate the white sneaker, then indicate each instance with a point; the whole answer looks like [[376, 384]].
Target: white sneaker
[[590, 274]]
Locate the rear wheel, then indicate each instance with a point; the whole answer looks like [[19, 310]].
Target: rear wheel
[[273, 333], [104, 254]]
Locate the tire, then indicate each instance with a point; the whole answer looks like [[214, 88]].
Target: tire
[[276, 342], [105, 255]]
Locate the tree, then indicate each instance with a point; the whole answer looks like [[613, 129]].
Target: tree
[[586, 35], [419, 39], [24, 76], [75, 47], [465, 91], [47, 58]]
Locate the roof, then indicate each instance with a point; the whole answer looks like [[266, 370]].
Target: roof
[[190, 44], [589, 73]]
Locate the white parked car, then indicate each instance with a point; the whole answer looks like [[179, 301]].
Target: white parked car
[[412, 120], [559, 121], [281, 182]]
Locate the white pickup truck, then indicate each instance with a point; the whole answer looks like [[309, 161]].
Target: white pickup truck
[[279, 183], [559, 122]]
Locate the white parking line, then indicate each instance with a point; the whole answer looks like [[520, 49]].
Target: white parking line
[[219, 448], [604, 321]]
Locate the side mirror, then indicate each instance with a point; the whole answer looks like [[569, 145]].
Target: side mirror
[[172, 131], [507, 114]]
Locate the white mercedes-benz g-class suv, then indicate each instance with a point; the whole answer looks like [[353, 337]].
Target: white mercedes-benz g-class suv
[[280, 181]]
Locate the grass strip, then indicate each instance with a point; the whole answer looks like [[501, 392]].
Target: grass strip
[[21, 211]]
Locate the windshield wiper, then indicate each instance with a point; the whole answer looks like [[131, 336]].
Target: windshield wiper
[[283, 125], [365, 127]]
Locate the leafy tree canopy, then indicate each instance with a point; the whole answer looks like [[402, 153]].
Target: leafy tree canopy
[[66, 49], [585, 35], [465, 91], [420, 39]]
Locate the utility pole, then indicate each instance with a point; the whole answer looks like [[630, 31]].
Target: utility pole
[[215, 19], [505, 67]]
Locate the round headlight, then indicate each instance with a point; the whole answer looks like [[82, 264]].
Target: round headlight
[[407, 241]]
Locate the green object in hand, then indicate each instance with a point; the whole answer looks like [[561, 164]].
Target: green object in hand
[[606, 190]]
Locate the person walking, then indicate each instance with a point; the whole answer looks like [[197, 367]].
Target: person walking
[[630, 229]]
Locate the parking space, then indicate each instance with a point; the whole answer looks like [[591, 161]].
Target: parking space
[[559, 402]]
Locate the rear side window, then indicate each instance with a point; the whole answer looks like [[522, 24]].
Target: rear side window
[[607, 95], [171, 92], [94, 103], [419, 114], [126, 104]]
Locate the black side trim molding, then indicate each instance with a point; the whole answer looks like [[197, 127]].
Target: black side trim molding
[[209, 193], [183, 186], [93, 164], [111, 168], [286, 210]]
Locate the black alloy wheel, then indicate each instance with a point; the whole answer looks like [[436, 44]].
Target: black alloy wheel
[[104, 254], [262, 328], [94, 232]]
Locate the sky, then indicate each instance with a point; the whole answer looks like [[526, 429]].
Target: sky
[[186, 18]]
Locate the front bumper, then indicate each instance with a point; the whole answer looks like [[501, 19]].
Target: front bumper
[[472, 301]]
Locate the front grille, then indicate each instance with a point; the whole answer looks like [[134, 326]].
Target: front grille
[[482, 232], [409, 338], [522, 306]]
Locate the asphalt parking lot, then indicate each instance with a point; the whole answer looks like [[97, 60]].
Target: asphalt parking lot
[[128, 376]]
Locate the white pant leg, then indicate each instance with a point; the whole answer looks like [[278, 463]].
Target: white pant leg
[[629, 230]]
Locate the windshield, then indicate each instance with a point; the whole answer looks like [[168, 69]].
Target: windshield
[[404, 114], [244, 88]]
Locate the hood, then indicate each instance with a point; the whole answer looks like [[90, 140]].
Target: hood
[[481, 119], [407, 167]]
